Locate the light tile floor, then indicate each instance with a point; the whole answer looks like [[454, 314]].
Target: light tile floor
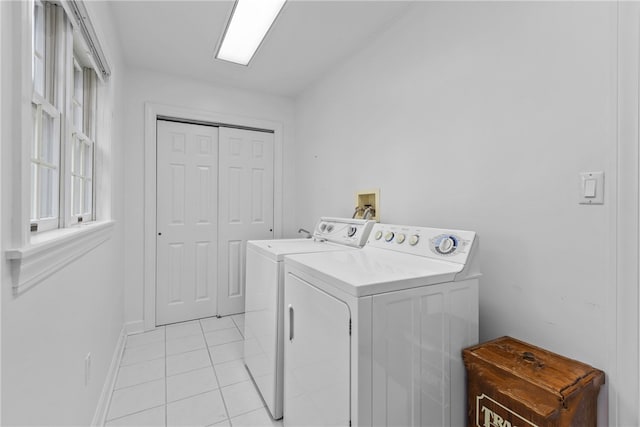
[[187, 374]]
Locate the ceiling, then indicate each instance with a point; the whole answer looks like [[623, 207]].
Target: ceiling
[[308, 39]]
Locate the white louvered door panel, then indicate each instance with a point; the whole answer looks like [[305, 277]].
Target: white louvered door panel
[[187, 252], [246, 207]]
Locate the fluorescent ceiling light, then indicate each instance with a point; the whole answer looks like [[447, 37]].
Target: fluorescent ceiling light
[[249, 23]]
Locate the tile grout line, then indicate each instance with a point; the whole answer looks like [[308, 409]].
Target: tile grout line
[[113, 390], [137, 384], [215, 374], [142, 361], [264, 405], [187, 372], [131, 345], [134, 413], [130, 386]]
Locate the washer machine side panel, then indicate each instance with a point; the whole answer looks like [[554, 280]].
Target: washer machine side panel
[[262, 324], [418, 337]]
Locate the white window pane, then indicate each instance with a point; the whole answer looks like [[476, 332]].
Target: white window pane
[[76, 195], [88, 161], [77, 117], [50, 149], [48, 198], [38, 75], [76, 156], [88, 198], [38, 27], [34, 116], [78, 82], [34, 191], [78, 97]]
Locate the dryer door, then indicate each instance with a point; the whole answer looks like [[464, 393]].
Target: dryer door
[[317, 356]]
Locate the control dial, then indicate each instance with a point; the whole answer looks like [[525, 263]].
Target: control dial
[[329, 228], [445, 244], [323, 226], [351, 231], [389, 236]]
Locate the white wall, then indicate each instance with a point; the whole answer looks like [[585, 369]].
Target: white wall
[[48, 330], [480, 116], [142, 86]]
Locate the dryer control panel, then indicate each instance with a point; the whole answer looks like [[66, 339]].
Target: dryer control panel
[[345, 231], [452, 245]]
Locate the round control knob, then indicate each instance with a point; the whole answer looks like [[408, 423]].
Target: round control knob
[[378, 235], [329, 228], [446, 245], [400, 238], [413, 240], [389, 236], [351, 231], [323, 226]]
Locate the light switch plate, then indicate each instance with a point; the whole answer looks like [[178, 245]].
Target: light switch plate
[[586, 194]]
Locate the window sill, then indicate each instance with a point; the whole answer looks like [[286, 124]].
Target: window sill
[[49, 251]]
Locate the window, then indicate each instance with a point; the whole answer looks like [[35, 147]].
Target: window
[[64, 108], [63, 100], [82, 142], [45, 151]]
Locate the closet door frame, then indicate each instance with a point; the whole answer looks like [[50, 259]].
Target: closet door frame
[[152, 112]]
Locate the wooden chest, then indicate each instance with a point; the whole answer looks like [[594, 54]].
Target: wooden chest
[[514, 384]]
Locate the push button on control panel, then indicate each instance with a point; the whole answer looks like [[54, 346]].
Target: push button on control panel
[[413, 240], [389, 236], [400, 238], [378, 235]]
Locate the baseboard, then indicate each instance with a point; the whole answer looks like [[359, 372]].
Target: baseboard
[[134, 327], [100, 416]]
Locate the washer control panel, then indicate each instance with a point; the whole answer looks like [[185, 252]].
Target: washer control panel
[[346, 231], [430, 242]]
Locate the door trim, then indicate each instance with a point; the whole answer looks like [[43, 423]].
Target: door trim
[[623, 322], [152, 112]]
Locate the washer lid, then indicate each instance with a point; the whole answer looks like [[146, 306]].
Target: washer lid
[[278, 248], [371, 270]]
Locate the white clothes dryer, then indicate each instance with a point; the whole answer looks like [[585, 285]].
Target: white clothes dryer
[[375, 336], [263, 328]]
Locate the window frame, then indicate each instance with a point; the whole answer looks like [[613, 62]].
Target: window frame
[[35, 256], [37, 221], [84, 179], [83, 133], [46, 103], [70, 98]]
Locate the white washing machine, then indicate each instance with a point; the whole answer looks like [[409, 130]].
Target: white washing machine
[[374, 337], [263, 329]]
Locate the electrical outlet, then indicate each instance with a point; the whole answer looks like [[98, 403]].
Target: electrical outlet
[[87, 369]]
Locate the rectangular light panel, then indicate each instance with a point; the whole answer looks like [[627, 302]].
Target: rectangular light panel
[[249, 23]]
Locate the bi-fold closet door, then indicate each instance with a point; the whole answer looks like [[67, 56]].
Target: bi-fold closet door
[[214, 192]]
